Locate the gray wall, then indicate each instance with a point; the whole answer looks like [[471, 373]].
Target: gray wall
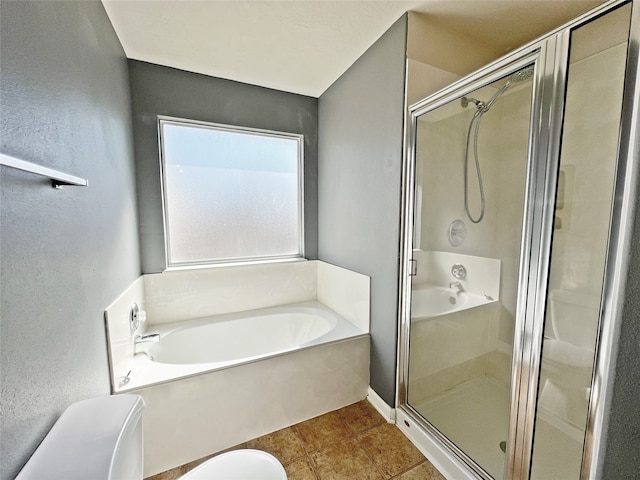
[[360, 161], [619, 458], [158, 90], [65, 255]]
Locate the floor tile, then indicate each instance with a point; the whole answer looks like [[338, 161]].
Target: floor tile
[[322, 431], [391, 451], [361, 416], [424, 471], [344, 461], [300, 470], [283, 444], [176, 473], [173, 474], [352, 443]]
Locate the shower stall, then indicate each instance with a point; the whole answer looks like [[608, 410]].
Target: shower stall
[[517, 189]]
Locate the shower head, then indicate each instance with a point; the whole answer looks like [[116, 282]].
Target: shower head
[[516, 77], [522, 75]]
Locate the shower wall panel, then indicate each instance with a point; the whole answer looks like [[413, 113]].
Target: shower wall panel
[[502, 149]]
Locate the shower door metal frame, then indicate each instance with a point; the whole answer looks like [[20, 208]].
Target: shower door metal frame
[[544, 159], [551, 56], [623, 217], [541, 56]]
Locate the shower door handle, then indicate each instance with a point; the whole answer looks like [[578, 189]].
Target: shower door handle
[[413, 267]]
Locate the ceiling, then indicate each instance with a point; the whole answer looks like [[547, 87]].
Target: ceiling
[[303, 46]]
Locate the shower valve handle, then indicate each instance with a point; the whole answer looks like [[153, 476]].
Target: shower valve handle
[[458, 271]]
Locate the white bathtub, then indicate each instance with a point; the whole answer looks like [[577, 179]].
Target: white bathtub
[[215, 382], [433, 301], [202, 345], [240, 336]]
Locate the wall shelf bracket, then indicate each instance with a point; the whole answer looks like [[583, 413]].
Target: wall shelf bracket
[[58, 179]]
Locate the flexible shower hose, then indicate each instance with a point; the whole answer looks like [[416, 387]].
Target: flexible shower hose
[[477, 118]]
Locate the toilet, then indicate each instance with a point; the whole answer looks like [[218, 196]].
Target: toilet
[[101, 439], [239, 465], [568, 351], [571, 330]]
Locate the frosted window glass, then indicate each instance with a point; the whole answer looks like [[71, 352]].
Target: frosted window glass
[[230, 194]]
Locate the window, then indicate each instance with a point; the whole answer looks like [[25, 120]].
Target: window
[[230, 194]]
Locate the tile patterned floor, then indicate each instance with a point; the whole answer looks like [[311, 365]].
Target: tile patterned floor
[[352, 443]]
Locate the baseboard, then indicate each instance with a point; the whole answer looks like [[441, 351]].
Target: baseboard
[[385, 410]]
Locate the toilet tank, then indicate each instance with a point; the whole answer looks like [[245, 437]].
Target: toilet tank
[[97, 439], [574, 317]]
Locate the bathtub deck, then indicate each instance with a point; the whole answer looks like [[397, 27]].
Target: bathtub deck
[[348, 443], [143, 372], [194, 417]]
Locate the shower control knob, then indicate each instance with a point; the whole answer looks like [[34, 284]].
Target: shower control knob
[[458, 271], [136, 317]]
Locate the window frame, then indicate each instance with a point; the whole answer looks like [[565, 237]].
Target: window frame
[[244, 260]]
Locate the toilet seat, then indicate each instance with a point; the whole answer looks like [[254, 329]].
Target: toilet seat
[[564, 353], [239, 465]]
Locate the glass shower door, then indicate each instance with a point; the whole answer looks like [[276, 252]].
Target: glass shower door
[[471, 163], [511, 210], [582, 218]]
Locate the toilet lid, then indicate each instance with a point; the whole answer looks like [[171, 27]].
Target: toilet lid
[[565, 353], [239, 465]]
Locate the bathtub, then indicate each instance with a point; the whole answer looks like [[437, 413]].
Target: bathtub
[[224, 338], [207, 344], [434, 301], [212, 383]]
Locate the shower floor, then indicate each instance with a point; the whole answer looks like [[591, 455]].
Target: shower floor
[[474, 416]]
